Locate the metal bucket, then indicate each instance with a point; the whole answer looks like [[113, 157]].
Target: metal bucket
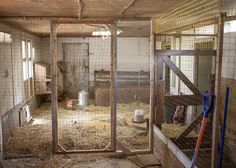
[[138, 115], [83, 98]]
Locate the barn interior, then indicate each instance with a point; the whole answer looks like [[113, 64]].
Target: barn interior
[[138, 83]]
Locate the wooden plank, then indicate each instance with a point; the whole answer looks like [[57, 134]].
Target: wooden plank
[[102, 20], [113, 89], [181, 75], [132, 2], [190, 128], [152, 66], [54, 103], [159, 102], [183, 100], [178, 34], [215, 132], [186, 52], [80, 10], [211, 83]]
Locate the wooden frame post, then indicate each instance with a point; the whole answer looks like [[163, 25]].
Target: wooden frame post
[[152, 67], [113, 89], [215, 129], [54, 103]]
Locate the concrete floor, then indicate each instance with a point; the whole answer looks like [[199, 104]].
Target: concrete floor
[[72, 161]]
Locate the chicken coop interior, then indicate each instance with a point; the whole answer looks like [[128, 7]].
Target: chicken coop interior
[[134, 84]]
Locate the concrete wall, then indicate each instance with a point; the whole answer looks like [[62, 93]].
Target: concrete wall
[[11, 78]]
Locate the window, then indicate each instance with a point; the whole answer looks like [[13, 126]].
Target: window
[[27, 56], [5, 37]]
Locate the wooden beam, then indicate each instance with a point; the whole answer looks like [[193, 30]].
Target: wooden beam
[[84, 21], [186, 52], [181, 75], [132, 2], [88, 20], [183, 100], [152, 66], [193, 125], [80, 6], [159, 102], [18, 27], [54, 103], [186, 26], [113, 89], [178, 34], [215, 131]]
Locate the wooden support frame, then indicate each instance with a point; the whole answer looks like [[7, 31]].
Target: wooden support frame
[[54, 104], [152, 80], [215, 129], [181, 75], [186, 52], [113, 90], [179, 34], [183, 100], [132, 2]]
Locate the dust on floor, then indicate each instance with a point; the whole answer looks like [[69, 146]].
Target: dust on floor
[[87, 128], [71, 161]]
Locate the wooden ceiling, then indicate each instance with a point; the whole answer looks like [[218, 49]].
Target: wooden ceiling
[[17, 10], [90, 8]]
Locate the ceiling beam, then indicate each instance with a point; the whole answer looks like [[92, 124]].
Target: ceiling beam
[[132, 2], [80, 7], [75, 20]]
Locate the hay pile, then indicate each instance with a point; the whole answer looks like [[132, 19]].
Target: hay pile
[[87, 128], [174, 130]]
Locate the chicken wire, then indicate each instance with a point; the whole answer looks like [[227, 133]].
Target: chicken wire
[[182, 107]]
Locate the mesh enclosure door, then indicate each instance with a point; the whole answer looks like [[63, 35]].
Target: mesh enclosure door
[[133, 93], [185, 70], [84, 115]]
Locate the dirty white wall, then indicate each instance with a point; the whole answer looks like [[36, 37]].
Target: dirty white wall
[[11, 79], [15, 85], [132, 53]]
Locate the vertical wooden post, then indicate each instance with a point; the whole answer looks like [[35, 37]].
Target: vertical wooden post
[[152, 66], [215, 130], [113, 89], [54, 104]]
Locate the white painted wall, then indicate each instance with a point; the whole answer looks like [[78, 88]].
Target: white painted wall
[[132, 53], [18, 87], [229, 56]]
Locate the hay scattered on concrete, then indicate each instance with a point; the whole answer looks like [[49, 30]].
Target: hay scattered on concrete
[[174, 130], [87, 128]]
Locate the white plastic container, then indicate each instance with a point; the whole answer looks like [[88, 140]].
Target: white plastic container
[[138, 115], [83, 98]]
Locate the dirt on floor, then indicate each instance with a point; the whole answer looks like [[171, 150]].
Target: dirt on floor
[[80, 129], [70, 161]]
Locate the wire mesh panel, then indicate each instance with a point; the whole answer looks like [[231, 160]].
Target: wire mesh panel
[[186, 62], [25, 131], [84, 117], [133, 93]]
